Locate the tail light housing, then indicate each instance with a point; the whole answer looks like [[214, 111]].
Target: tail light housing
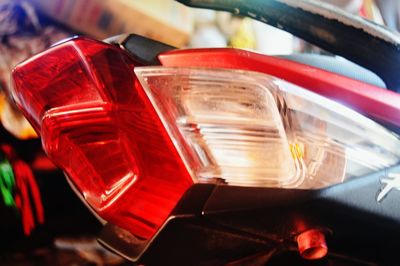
[[133, 139]]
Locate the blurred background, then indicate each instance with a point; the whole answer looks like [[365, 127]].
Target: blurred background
[[42, 221]]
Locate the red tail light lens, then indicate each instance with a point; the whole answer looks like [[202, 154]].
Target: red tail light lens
[[98, 126]]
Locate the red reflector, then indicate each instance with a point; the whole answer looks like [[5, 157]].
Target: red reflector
[[98, 125]]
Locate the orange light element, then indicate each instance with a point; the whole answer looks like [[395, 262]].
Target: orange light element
[[312, 245]]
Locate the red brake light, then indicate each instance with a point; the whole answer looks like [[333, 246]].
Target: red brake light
[[98, 126]]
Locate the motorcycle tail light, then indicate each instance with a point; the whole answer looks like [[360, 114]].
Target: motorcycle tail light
[[134, 139], [97, 125], [250, 129]]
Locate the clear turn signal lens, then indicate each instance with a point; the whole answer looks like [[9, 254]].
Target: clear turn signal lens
[[250, 129]]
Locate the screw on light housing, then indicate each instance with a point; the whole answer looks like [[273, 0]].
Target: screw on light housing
[[312, 244]]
